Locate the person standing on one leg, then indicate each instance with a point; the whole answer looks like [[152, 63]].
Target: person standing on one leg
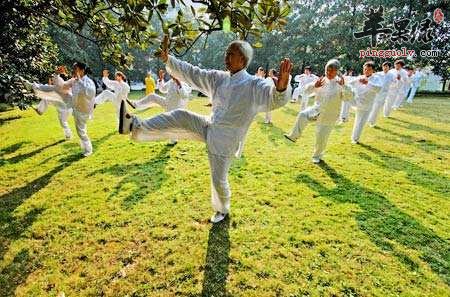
[[119, 86], [236, 99], [303, 80], [388, 77], [366, 87], [83, 90], [415, 83], [56, 94], [329, 92]]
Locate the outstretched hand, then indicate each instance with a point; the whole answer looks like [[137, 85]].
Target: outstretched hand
[[105, 73], [319, 82], [283, 78]]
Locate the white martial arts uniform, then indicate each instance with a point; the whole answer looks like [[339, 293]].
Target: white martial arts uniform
[[345, 106], [387, 79], [59, 96], [396, 91], [83, 91], [303, 80], [415, 83], [326, 108], [121, 90], [268, 114], [236, 100], [363, 101]]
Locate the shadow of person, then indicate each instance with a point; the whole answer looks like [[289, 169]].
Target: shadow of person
[[419, 127], [12, 148], [5, 120], [19, 158], [147, 177], [384, 223], [418, 175], [12, 227], [217, 260]]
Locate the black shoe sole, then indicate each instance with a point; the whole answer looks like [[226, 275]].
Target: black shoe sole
[[123, 111], [131, 104], [288, 138]]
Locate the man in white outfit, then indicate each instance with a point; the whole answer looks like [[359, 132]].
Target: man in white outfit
[[83, 90], [57, 95], [396, 91], [345, 106], [236, 99], [415, 83], [177, 96], [388, 77], [270, 80], [366, 87], [120, 90], [329, 92], [303, 80]]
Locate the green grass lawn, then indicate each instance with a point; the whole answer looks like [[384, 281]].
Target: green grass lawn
[[132, 219]]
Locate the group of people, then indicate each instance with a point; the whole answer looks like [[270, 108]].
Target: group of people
[[236, 97]]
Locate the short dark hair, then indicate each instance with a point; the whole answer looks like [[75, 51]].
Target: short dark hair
[[308, 68], [401, 62], [387, 63], [370, 64], [82, 66]]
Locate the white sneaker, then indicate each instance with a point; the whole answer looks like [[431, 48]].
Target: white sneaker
[[371, 125], [355, 141], [125, 119], [87, 154], [316, 160], [217, 217]]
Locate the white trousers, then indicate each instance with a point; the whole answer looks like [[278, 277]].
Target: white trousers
[[412, 93], [63, 114], [390, 99], [81, 119], [296, 93], [345, 111], [184, 124], [268, 117], [107, 95], [400, 98], [304, 102], [322, 131], [376, 108], [360, 120]]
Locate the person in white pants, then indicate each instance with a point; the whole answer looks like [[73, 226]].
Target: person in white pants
[[403, 94], [345, 106], [237, 97], [120, 90], [272, 75], [366, 87], [396, 91], [388, 77], [415, 83], [303, 79], [83, 90], [177, 96], [328, 92], [54, 93]]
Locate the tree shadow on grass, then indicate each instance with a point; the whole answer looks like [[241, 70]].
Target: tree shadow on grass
[[12, 227], [20, 158], [418, 175], [419, 127], [422, 144], [147, 177], [5, 120], [384, 223], [217, 260]]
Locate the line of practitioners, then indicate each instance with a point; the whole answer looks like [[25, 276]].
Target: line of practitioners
[[237, 97]]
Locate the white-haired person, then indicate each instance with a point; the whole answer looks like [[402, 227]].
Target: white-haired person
[[177, 95], [56, 94], [236, 97], [328, 92], [120, 90], [366, 87], [388, 77]]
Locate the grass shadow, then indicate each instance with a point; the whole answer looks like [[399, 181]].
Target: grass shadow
[[422, 144], [5, 120], [290, 111], [12, 148], [416, 174], [384, 223], [419, 127], [20, 158], [147, 177], [217, 260], [12, 227], [274, 133]]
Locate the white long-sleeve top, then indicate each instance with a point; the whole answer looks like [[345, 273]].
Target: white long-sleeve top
[[416, 78], [365, 93], [63, 92], [121, 89], [83, 91], [387, 79], [304, 79], [236, 99], [399, 84], [176, 96], [328, 99]]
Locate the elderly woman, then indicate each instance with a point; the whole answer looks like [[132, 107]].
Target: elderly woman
[[236, 96], [119, 86], [329, 92]]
